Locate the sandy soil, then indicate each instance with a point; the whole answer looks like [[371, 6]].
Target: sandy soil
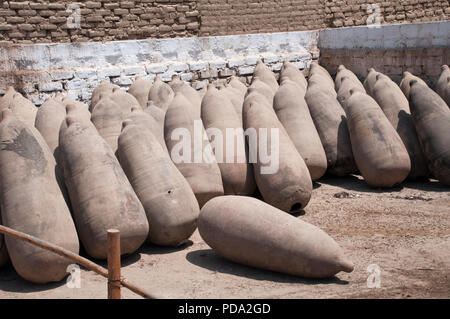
[[405, 231]]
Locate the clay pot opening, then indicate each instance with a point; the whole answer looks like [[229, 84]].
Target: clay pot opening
[[296, 207]]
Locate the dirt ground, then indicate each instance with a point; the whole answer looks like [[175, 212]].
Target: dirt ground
[[405, 231]]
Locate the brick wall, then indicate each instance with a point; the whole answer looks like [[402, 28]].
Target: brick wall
[[222, 17], [347, 13], [105, 20], [46, 21]]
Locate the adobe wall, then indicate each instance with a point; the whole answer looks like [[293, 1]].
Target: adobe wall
[[41, 21]]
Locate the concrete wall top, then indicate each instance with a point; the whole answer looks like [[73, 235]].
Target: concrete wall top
[[40, 70], [388, 37], [97, 54]]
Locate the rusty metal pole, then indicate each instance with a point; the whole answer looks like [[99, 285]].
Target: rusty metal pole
[[113, 264]]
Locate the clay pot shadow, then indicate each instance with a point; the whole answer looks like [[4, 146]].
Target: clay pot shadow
[[150, 249], [210, 260], [298, 213], [125, 260], [427, 185], [316, 185], [10, 281], [353, 183]]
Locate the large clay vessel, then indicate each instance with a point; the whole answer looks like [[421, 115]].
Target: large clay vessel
[[396, 108], [147, 122], [189, 148], [292, 111], [171, 207], [49, 117], [104, 89], [379, 152], [443, 84], [101, 195], [283, 178], [32, 202], [107, 118], [219, 114], [290, 72], [331, 124], [161, 94], [250, 232], [265, 74], [431, 118], [140, 89], [405, 84]]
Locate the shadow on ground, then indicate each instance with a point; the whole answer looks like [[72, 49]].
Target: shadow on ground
[[150, 249], [146, 249], [427, 186], [298, 213], [10, 281], [125, 260], [208, 259], [357, 184]]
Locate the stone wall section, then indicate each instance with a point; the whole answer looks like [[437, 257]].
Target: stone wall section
[[41, 70], [43, 21], [105, 20], [349, 13]]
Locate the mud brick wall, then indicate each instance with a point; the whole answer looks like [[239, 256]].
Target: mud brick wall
[[105, 20], [348, 13], [219, 17], [391, 49], [39, 21]]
